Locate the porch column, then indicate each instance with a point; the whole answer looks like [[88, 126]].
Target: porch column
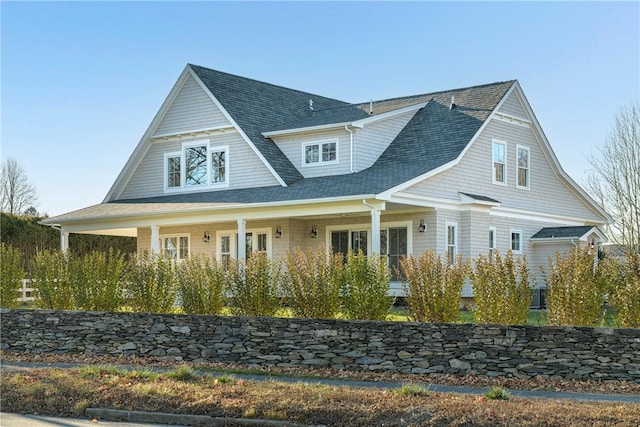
[[64, 240], [242, 239], [375, 231], [155, 239]]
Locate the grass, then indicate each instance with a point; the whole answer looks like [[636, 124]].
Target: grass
[[497, 393], [67, 392]]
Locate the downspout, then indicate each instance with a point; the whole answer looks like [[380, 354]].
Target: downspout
[[346, 127]]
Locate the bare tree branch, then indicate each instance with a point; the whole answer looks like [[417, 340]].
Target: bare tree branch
[[615, 179], [16, 192]]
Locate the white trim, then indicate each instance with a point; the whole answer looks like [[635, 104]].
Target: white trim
[[192, 133], [178, 236], [455, 161], [320, 162], [165, 174], [455, 239], [238, 128], [514, 120], [233, 241], [513, 231], [356, 123], [551, 157], [367, 227], [513, 213], [528, 150], [495, 142], [493, 243]]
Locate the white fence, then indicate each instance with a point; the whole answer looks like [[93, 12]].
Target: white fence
[[25, 291]]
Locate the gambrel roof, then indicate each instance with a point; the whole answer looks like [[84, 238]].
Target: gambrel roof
[[435, 138], [436, 135]]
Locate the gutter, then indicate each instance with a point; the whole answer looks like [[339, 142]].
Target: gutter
[[346, 127]]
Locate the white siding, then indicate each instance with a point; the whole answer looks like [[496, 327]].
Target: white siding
[[513, 106], [245, 169], [547, 194], [192, 109], [371, 141]]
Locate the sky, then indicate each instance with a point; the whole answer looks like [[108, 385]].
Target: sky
[[82, 81]]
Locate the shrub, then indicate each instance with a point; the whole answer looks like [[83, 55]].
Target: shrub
[[497, 393], [413, 390], [11, 272], [50, 271], [625, 293], [433, 287], [312, 283], [97, 280], [151, 283], [501, 289], [365, 290], [576, 288], [201, 285], [253, 285]]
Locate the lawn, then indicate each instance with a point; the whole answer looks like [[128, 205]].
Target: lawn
[[67, 392]]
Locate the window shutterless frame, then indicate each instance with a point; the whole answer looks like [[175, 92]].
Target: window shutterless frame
[[499, 162]]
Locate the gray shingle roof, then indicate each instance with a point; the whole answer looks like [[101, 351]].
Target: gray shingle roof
[[257, 106], [563, 232], [434, 136]]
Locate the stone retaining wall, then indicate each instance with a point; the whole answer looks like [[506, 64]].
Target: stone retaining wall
[[493, 350]]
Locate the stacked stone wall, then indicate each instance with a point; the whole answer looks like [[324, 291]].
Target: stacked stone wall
[[420, 348]]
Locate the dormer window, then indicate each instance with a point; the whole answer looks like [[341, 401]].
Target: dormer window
[[320, 153], [198, 165]]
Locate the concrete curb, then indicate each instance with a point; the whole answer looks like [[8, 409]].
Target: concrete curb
[[184, 419]]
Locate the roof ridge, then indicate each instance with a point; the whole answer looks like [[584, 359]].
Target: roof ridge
[[439, 92], [266, 83]]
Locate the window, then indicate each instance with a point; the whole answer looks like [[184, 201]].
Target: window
[[343, 240], [492, 240], [175, 247], [523, 167], [396, 248], [172, 165], [452, 242], [320, 153], [499, 162], [516, 241], [197, 165], [256, 240], [359, 241], [218, 167], [225, 250]]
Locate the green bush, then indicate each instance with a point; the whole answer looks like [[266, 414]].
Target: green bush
[[50, 271], [433, 286], [97, 280], [254, 285], [501, 289], [201, 285], [151, 283], [625, 293], [576, 288], [365, 290], [312, 283], [11, 272]]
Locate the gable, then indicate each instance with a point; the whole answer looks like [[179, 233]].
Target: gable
[[513, 106], [192, 109]]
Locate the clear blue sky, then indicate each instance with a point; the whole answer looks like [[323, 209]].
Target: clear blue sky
[[81, 81]]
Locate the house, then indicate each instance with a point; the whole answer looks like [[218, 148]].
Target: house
[[461, 171]]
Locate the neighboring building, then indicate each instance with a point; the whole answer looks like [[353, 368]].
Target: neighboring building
[[462, 171]]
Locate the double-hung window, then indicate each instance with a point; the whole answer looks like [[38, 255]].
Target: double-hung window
[[492, 240], [523, 168], [516, 241], [197, 165], [320, 153], [452, 241], [499, 149]]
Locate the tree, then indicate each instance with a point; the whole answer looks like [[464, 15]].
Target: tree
[[615, 180], [16, 192]]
